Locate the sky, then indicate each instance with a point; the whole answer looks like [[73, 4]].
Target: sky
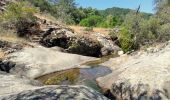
[[146, 5]]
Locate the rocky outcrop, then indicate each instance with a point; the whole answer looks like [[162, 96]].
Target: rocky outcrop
[[94, 44], [139, 77], [85, 46], [28, 63], [52, 34], [10, 83], [6, 66], [38, 61], [14, 87], [9, 47], [57, 93]]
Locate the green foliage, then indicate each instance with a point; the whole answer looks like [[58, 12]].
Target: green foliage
[[43, 5], [138, 31], [19, 15], [110, 22], [120, 13], [17, 11], [164, 32], [67, 12], [91, 21], [143, 30], [163, 13], [125, 40]]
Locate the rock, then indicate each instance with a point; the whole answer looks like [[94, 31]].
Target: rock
[[10, 84], [120, 53], [61, 38], [58, 49], [85, 46], [51, 34], [94, 44], [104, 51], [57, 93], [107, 43], [38, 61], [6, 66], [9, 47], [139, 77], [14, 87]]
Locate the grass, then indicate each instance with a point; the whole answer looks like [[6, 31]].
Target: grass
[[80, 29], [2, 55], [10, 36]]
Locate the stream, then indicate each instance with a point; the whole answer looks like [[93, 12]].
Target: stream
[[79, 76]]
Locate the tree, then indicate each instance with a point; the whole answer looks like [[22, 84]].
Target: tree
[[65, 9], [163, 13], [91, 21]]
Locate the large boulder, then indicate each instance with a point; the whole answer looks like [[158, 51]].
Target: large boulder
[[10, 84], [108, 45], [58, 37], [139, 77], [85, 46], [57, 93], [14, 87], [38, 61], [93, 44]]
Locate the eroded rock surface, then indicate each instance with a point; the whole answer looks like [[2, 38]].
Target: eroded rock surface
[[34, 62], [29, 63], [51, 34], [57, 93], [140, 77], [14, 87], [10, 84]]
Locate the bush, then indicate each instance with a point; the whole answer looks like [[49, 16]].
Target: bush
[[143, 31], [164, 33], [18, 15], [91, 21], [125, 40]]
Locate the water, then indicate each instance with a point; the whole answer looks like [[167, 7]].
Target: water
[[79, 76]]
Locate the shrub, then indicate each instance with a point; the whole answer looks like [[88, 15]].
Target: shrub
[[125, 40], [143, 31], [164, 33], [91, 21], [18, 15]]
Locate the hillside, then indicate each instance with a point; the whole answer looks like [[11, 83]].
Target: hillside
[[120, 12]]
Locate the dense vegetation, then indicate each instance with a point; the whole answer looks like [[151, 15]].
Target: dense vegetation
[[135, 29], [67, 11]]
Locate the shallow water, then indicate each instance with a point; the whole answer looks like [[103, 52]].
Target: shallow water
[[79, 76]]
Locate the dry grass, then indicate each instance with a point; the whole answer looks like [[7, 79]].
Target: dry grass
[[2, 54], [46, 16], [80, 29], [10, 36]]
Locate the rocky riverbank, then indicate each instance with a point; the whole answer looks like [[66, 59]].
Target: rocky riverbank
[[143, 76], [27, 63]]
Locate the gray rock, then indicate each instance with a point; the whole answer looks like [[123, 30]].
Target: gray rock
[[57, 93], [38, 61], [139, 77]]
